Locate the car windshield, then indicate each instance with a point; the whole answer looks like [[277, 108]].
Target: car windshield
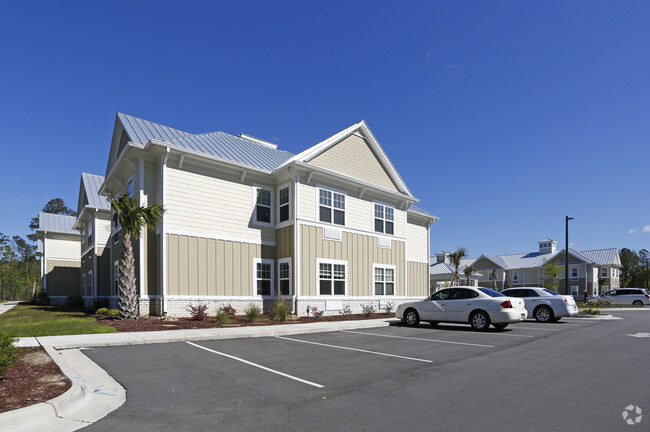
[[490, 292], [550, 292]]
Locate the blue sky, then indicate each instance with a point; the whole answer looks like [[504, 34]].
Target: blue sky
[[502, 117]]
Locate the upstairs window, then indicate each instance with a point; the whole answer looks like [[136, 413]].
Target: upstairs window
[[129, 189], [331, 207], [515, 276], [384, 219], [574, 272], [603, 272], [283, 203], [263, 206]]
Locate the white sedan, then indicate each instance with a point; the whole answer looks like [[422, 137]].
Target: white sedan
[[479, 307], [543, 304]]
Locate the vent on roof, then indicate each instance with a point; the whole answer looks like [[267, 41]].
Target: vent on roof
[[258, 141]]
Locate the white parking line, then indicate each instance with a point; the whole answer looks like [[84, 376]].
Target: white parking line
[[355, 349], [539, 328], [507, 334], [258, 366], [422, 339]]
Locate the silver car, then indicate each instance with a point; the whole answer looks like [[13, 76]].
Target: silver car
[[628, 296], [543, 304]]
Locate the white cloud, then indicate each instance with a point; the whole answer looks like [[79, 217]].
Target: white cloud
[[631, 231], [646, 228], [451, 66]]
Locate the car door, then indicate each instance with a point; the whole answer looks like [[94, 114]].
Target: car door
[[433, 309], [614, 295], [531, 300], [459, 304]]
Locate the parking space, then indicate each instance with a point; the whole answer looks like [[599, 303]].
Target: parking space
[[249, 379]]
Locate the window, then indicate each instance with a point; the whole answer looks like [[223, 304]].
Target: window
[[116, 237], [263, 206], [490, 276], [116, 221], [515, 276], [574, 290], [116, 277], [129, 188], [332, 278], [263, 277], [603, 272], [284, 276], [283, 204], [384, 218], [331, 207], [384, 278], [574, 272], [89, 291], [83, 284], [89, 234]]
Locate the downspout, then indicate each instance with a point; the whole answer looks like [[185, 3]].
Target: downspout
[[44, 262], [141, 249], [94, 222], [296, 233], [163, 236]]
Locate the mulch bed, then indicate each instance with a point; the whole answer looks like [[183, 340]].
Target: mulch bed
[[31, 379], [166, 323]]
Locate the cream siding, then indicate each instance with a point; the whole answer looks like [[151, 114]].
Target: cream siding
[[151, 182], [354, 157], [417, 241], [62, 249], [102, 231], [198, 202], [418, 279], [360, 252]]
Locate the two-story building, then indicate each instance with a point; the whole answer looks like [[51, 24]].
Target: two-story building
[[246, 223]]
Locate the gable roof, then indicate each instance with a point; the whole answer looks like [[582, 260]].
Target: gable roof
[[603, 256], [90, 184], [56, 223], [142, 131], [444, 268]]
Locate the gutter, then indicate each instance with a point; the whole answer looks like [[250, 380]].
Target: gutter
[[163, 236]]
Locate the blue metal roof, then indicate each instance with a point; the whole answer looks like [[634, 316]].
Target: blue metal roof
[[236, 149], [56, 222]]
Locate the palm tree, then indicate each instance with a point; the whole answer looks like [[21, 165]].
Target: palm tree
[[132, 219], [454, 259], [468, 273]]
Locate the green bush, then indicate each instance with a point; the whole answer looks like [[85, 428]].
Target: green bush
[[252, 313], [282, 310], [8, 352], [111, 313], [75, 301], [223, 317]]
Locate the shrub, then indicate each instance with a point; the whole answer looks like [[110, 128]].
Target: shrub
[[388, 307], [592, 311], [230, 311], [316, 313], [252, 313], [599, 301], [75, 301], [223, 317], [8, 352], [368, 309], [198, 312], [101, 303], [347, 310], [111, 313], [42, 299], [281, 310]]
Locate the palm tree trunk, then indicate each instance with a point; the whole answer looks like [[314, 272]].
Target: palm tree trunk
[[128, 303]]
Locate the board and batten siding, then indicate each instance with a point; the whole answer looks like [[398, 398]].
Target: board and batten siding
[[63, 277], [416, 238], [359, 212], [63, 249], [198, 266], [418, 279], [198, 202], [360, 252]]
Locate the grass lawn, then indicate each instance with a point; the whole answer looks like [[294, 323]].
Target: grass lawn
[[28, 320]]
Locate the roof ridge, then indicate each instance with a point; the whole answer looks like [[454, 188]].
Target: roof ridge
[[153, 123], [182, 138]]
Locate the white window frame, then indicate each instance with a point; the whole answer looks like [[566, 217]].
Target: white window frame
[[332, 191], [116, 278], [577, 273], [383, 218], [89, 284], [490, 278], [515, 276], [280, 279], [83, 285], [574, 290], [271, 263], [603, 270], [384, 267], [288, 204], [257, 187], [320, 261]]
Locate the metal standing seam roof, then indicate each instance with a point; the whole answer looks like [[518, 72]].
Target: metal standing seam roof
[[447, 269], [56, 222], [418, 210], [535, 259], [233, 148], [141, 131], [602, 256], [92, 183]]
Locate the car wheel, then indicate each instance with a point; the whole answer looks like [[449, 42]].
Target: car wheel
[[411, 317], [543, 314], [500, 326], [480, 321], [637, 303]]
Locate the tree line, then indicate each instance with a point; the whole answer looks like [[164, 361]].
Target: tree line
[[634, 268]]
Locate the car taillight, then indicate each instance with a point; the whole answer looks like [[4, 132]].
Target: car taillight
[[647, 296], [506, 304], [566, 302]]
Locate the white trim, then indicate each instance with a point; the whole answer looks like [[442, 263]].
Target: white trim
[[218, 237], [417, 261], [257, 261], [141, 239], [163, 233], [372, 279], [332, 191], [63, 259], [115, 288], [83, 285], [216, 298], [320, 261], [89, 280], [269, 189], [291, 291], [384, 205], [346, 229]]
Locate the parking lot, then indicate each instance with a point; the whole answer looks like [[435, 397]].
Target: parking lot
[[531, 376]]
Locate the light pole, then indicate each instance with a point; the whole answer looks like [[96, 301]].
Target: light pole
[[566, 257]]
